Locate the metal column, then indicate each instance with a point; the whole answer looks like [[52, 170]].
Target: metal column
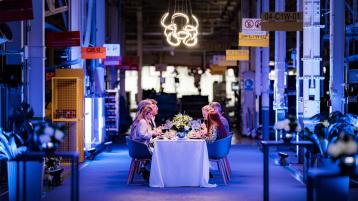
[[243, 68], [75, 14], [100, 31], [114, 38], [280, 68], [265, 96], [311, 59], [139, 51], [36, 60], [336, 61], [258, 71], [299, 98]]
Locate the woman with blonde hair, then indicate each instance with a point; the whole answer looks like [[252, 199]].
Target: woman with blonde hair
[[216, 129], [141, 130]]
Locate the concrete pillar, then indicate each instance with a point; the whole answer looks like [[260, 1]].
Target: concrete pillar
[[139, 51], [265, 96], [336, 61], [36, 60], [75, 14], [280, 68]]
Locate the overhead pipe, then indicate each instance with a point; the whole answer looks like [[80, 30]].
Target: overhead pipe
[[88, 24]]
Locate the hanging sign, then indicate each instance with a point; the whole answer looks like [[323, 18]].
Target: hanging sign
[[63, 39], [252, 26], [161, 67], [282, 21], [130, 63], [254, 40], [112, 50], [93, 52], [15, 10], [220, 60], [217, 70], [113, 55], [112, 61], [237, 55]]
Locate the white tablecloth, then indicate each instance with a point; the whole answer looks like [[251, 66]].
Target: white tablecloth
[[180, 163]]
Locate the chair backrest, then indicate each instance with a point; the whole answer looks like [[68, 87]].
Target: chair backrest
[[138, 150], [219, 148]]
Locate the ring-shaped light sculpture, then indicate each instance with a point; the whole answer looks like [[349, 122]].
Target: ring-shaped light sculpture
[[188, 33]]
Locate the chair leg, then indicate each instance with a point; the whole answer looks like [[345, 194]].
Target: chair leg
[[137, 166], [221, 168], [227, 168], [131, 172], [228, 165]]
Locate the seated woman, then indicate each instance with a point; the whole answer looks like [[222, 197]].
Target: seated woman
[[216, 129], [141, 129]]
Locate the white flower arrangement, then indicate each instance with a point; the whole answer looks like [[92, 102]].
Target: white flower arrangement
[[181, 121]]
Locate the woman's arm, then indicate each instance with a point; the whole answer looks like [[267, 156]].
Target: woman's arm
[[144, 130], [212, 135]]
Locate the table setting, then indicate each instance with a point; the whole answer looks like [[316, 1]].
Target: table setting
[[180, 156]]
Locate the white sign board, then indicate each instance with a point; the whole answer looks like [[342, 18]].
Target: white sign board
[[252, 26], [112, 50]]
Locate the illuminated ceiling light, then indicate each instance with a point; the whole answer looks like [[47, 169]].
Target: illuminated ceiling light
[[183, 25]]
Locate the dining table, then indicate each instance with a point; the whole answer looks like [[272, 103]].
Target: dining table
[[180, 162]]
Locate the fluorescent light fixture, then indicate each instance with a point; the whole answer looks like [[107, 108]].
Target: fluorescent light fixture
[[88, 122], [100, 119]]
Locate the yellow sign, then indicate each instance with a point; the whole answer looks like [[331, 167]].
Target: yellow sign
[[254, 40], [237, 55], [282, 16], [217, 70]]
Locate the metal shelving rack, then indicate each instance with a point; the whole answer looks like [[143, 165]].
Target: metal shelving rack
[[112, 111]]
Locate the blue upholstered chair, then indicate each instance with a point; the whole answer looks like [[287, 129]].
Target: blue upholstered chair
[[139, 153], [218, 152]]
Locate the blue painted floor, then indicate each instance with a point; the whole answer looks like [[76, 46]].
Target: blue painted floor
[[105, 178]]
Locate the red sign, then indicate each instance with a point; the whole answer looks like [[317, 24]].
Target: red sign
[[15, 10], [63, 39], [93, 53], [130, 63]]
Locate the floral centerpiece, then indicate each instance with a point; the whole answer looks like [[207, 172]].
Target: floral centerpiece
[[181, 123], [287, 128]]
